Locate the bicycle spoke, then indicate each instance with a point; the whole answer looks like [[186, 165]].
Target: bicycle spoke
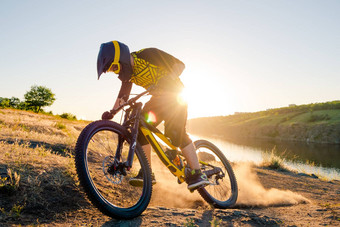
[[114, 188]]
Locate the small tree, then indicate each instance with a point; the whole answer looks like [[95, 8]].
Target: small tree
[[4, 102], [38, 97], [14, 102]]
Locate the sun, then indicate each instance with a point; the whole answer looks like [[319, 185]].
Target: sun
[[194, 97], [183, 97], [205, 97]]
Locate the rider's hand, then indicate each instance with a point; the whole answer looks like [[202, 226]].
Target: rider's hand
[[107, 115]]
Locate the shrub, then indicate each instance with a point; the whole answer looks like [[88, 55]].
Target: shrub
[[9, 184], [59, 125], [189, 223], [68, 116], [272, 161], [318, 117], [4, 102]]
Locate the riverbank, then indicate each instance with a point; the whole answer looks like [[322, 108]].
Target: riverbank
[[283, 124]]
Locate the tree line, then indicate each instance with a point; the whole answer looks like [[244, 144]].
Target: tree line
[[245, 116], [331, 105], [35, 99]]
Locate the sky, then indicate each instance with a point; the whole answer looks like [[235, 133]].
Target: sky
[[240, 56]]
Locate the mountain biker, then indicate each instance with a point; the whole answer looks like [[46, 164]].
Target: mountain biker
[[153, 67]]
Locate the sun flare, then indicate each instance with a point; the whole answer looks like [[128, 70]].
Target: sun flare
[[205, 97]]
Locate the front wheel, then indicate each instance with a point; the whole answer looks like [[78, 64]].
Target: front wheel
[[222, 191], [104, 177]]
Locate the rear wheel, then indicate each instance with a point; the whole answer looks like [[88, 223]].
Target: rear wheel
[[222, 191], [106, 179]]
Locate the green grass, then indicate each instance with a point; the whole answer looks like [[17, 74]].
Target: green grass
[[215, 222], [269, 124], [189, 223], [333, 117], [314, 117], [275, 119], [301, 113]]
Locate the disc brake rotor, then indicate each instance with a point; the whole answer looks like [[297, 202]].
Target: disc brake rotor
[[117, 176]]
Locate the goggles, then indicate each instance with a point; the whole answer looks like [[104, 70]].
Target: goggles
[[115, 66]]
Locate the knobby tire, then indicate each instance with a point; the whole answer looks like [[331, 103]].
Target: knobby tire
[[90, 188], [230, 180]]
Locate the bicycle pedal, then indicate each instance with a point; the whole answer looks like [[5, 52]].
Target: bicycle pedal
[[200, 187]]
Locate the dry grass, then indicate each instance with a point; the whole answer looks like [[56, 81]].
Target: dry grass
[[23, 125], [273, 161], [37, 173]]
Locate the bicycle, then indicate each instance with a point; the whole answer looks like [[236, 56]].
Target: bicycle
[[108, 155]]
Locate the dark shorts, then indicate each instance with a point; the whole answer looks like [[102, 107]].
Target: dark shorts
[[174, 114]]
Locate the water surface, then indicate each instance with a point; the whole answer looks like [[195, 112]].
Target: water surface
[[322, 160]]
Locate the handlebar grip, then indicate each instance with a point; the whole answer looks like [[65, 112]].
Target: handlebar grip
[[107, 115]]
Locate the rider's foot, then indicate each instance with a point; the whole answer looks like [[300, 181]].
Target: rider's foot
[[196, 179], [137, 181]]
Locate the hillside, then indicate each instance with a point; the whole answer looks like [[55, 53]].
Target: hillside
[[39, 186], [317, 123]]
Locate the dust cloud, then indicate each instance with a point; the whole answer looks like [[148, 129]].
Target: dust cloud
[[168, 193], [253, 194]]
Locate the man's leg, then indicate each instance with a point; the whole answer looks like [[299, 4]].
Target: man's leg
[[195, 178], [175, 122], [189, 152], [153, 105]]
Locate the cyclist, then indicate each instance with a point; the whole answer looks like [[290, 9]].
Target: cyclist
[[153, 67]]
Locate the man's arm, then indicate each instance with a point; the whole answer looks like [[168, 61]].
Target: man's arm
[[123, 94]]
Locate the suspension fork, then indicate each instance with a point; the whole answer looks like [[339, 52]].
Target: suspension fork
[[118, 153], [134, 132], [119, 148]]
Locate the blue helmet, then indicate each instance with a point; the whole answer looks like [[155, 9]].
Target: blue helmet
[[114, 51]]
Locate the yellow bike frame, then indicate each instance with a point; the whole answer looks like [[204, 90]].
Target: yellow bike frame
[[149, 132], [149, 135]]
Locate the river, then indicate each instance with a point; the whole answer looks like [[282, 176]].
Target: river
[[319, 159]]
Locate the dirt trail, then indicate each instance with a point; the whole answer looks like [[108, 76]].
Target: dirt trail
[[270, 198], [267, 198]]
